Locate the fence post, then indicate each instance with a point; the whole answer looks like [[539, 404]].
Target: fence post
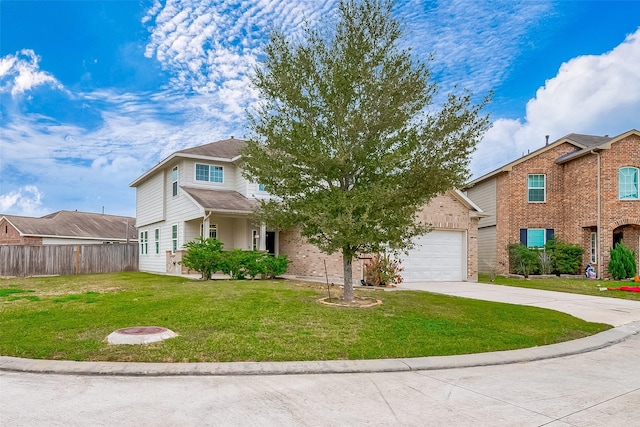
[[77, 260]]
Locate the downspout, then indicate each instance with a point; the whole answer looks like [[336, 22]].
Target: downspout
[[598, 222]]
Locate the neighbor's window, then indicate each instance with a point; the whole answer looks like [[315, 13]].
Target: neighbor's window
[[262, 187], [209, 173], [174, 237], [628, 183], [594, 248], [536, 184], [174, 181], [157, 240], [535, 237]]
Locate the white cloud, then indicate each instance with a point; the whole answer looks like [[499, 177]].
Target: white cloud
[[592, 94], [20, 73], [25, 201]]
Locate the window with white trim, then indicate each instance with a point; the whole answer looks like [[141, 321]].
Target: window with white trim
[[594, 248], [255, 240], [262, 187], [209, 173], [156, 233], [628, 183], [144, 242], [174, 181], [213, 231], [536, 188], [174, 237]]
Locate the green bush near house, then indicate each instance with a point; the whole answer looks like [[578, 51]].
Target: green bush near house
[[207, 257], [567, 258], [622, 264], [556, 257], [523, 260]]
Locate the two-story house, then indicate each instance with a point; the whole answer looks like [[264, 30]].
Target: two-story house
[[580, 189], [200, 191], [197, 192]]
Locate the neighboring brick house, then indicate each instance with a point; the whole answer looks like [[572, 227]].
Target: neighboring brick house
[[67, 228], [200, 191], [580, 189]]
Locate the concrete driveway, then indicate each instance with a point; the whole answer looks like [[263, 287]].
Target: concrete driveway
[[612, 311]]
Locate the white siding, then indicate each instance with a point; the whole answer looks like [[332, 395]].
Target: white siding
[[486, 249], [150, 200], [484, 195], [243, 186], [152, 261], [189, 175]]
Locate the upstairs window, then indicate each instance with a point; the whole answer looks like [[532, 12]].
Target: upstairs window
[[536, 188], [262, 187], [209, 173], [174, 181], [628, 183]]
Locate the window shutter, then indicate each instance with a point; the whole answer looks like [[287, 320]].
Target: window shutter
[[549, 234], [523, 236]]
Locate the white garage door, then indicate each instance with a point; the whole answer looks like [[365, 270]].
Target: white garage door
[[437, 256]]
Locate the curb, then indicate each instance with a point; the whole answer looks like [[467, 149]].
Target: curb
[[568, 348]]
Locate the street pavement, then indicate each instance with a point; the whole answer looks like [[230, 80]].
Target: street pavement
[[594, 381]]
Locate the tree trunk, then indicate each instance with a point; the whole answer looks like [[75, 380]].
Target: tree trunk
[[347, 258]]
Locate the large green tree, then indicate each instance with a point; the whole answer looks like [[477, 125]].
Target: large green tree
[[347, 136]]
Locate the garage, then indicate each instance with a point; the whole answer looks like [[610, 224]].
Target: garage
[[437, 256]]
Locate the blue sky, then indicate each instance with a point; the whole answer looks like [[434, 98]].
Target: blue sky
[[94, 93]]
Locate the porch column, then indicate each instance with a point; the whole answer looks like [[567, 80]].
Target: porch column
[[263, 237]]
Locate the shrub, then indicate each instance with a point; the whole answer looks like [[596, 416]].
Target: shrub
[[274, 266], [241, 264], [622, 264], [567, 258], [383, 269], [523, 260], [204, 256]]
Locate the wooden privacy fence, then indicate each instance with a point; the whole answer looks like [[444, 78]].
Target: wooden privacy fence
[[67, 259]]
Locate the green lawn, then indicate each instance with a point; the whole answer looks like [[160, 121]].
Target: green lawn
[[70, 317], [574, 286]]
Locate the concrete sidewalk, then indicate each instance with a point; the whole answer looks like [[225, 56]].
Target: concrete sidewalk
[[623, 314]]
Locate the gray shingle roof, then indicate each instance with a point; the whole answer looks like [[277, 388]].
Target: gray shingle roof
[[80, 225], [225, 149], [221, 200]]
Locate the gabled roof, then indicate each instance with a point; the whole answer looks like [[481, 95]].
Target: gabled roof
[[226, 150], [76, 225], [602, 143], [220, 201], [468, 203], [583, 143]]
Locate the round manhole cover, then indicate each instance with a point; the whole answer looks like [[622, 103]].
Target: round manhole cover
[[140, 335], [142, 330]]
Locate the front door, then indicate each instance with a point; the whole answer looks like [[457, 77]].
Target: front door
[[270, 242]]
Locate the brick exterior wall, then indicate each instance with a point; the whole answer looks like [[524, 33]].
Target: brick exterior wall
[[10, 236], [444, 212], [571, 208]]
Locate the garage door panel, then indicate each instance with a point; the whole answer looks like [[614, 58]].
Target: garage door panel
[[437, 256]]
